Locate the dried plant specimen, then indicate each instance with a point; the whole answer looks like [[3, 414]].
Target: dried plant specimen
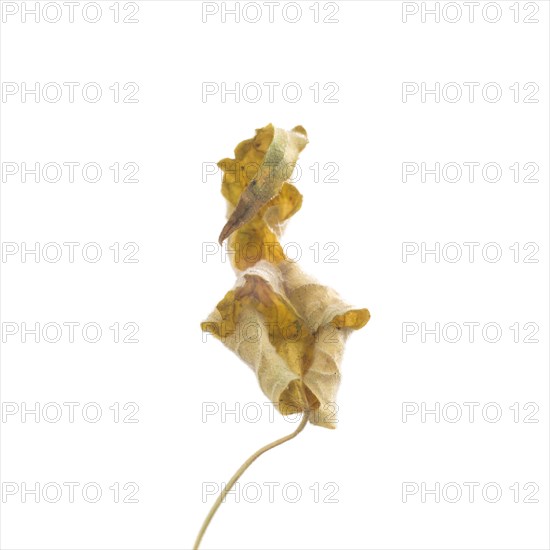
[[299, 325]]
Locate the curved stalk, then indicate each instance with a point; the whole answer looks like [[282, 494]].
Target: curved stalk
[[240, 472]]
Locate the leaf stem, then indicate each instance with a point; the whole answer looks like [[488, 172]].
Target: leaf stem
[[242, 469]]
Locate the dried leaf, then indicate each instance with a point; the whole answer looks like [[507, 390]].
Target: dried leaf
[[290, 329], [286, 326], [269, 157]]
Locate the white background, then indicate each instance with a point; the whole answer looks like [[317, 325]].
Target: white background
[[369, 213]]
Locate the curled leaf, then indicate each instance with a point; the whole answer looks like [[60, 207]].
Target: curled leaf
[[286, 326], [257, 213], [290, 330]]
